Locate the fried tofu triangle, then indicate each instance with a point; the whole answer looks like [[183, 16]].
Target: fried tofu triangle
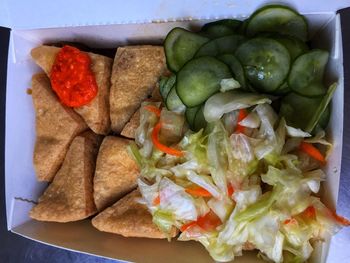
[[95, 113], [69, 197], [135, 73], [116, 172], [56, 127], [129, 218]]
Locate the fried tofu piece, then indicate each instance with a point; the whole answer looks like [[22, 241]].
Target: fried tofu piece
[[135, 72], [96, 112], [116, 172], [130, 128], [56, 127], [70, 195], [129, 218]]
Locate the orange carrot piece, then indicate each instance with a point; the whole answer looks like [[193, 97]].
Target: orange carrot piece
[[162, 147], [230, 190], [198, 191], [156, 201], [312, 151], [242, 114], [153, 109]]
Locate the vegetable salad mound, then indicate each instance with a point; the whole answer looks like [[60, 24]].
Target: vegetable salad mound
[[234, 158]]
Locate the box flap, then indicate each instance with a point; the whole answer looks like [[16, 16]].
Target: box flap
[[45, 14]]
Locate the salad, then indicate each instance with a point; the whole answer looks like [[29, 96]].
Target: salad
[[233, 156]]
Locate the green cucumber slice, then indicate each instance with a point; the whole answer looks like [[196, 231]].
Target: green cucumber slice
[[305, 112], [278, 19], [180, 46], [324, 119], [266, 63], [220, 28], [222, 45], [190, 115], [165, 85], [326, 99], [173, 102], [236, 68], [298, 110], [199, 79], [199, 120], [282, 90], [243, 27], [306, 74], [295, 46]]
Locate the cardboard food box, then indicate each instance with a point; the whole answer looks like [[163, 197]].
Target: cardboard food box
[[111, 24]]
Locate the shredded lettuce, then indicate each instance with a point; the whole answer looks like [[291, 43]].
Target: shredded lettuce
[[229, 84], [259, 183], [221, 103]]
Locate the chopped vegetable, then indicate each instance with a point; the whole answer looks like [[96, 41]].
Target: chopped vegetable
[[241, 116], [312, 151], [246, 174], [153, 109], [198, 191], [162, 147]]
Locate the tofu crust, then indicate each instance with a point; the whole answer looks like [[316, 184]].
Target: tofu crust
[[95, 113], [136, 70], [129, 218], [56, 126], [116, 172], [70, 195]]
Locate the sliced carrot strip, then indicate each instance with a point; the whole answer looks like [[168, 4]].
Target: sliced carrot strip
[[309, 212], [184, 227], [230, 190], [156, 201], [207, 222], [242, 114], [198, 191], [153, 109], [290, 221], [341, 220], [162, 147], [312, 151]]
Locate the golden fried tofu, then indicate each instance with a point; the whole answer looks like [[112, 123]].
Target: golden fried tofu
[[70, 195], [96, 112], [130, 128], [116, 172], [129, 218], [135, 72], [56, 127]]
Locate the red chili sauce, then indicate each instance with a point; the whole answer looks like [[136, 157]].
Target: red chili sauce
[[72, 78]]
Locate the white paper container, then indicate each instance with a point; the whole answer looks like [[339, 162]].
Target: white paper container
[[130, 23]]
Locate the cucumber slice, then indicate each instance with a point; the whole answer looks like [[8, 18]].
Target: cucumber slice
[[265, 61], [220, 28], [222, 45], [304, 112], [173, 102], [295, 46], [190, 115], [282, 90], [243, 27], [199, 79], [180, 46], [326, 99], [306, 75], [278, 19], [199, 120], [165, 85], [298, 110], [324, 119], [236, 68]]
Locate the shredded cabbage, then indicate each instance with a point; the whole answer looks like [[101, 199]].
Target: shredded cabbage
[[258, 183]]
